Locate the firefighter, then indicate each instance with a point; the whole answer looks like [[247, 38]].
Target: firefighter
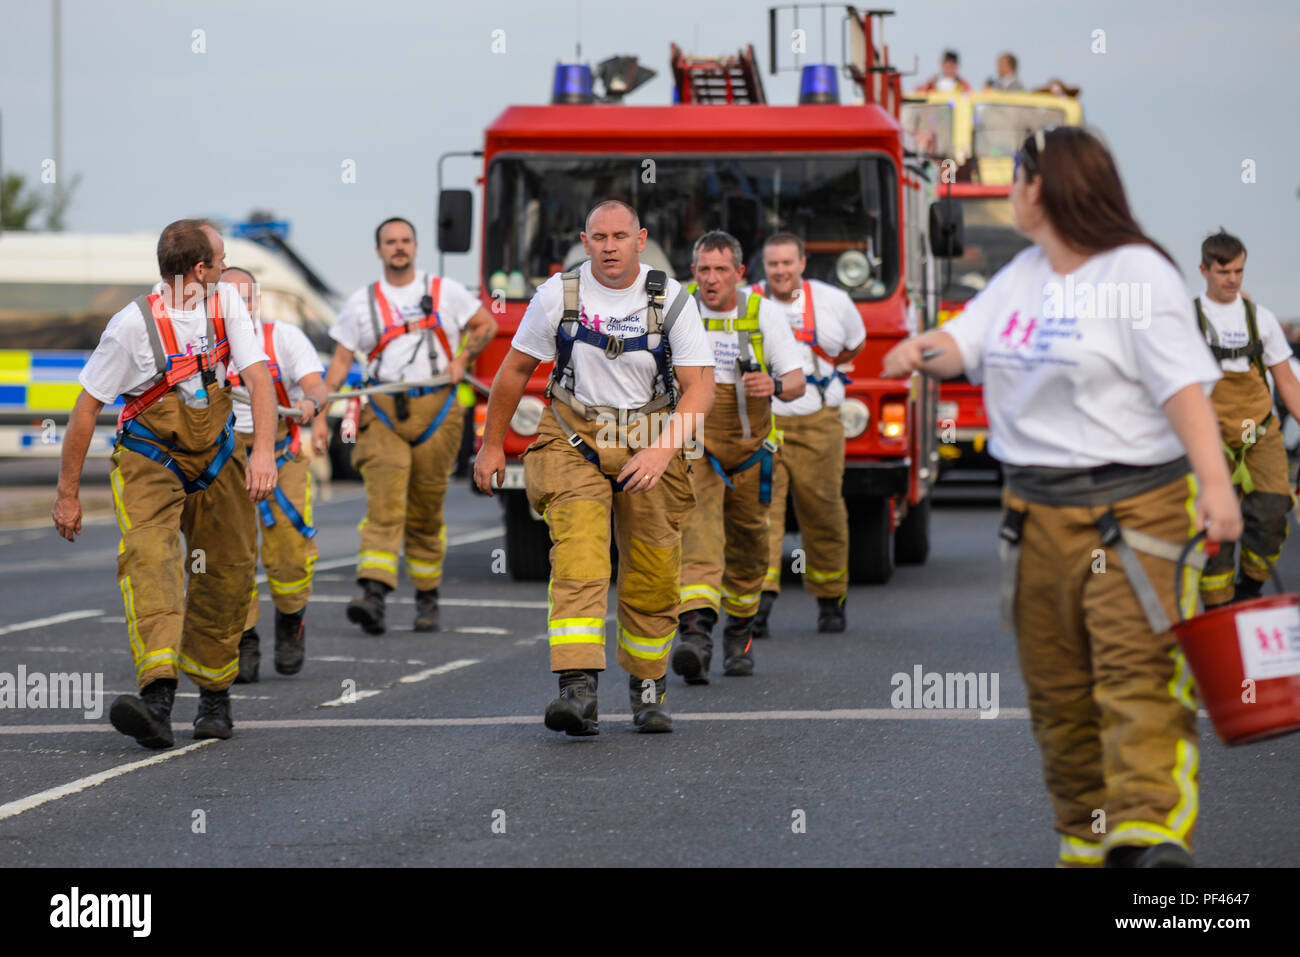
[[830, 333], [1249, 343], [724, 543], [609, 446], [1099, 413], [175, 471], [288, 538], [406, 442]]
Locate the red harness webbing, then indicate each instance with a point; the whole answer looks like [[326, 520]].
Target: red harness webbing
[[808, 334], [393, 329], [179, 367]]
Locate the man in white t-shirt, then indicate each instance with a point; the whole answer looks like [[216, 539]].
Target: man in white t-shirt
[[830, 333], [288, 538], [175, 471], [1249, 343], [407, 325], [623, 337], [724, 542]]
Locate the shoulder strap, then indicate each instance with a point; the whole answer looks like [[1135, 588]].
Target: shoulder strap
[[1256, 345], [374, 310], [569, 281], [145, 304], [675, 310], [1207, 331]]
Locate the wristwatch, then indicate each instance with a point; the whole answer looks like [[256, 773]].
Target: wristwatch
[[313, 401], [777, 386]]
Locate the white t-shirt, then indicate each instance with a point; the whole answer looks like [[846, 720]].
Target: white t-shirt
[[123, 362], [626, 381], [1075, 376], [839, 327], [296, 357], [780, 351], [406, 358], [1229, 321]]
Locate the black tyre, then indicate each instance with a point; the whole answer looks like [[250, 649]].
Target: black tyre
[[912, 537], [528, 541], [871, 551]]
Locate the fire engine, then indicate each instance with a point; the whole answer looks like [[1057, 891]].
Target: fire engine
[[722, 157], [974, 137]]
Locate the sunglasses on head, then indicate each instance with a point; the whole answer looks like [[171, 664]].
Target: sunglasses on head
[[1028, 155]]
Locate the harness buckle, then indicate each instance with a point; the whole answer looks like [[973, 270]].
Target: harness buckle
[[575, 440], [614, 347], [770, 444], [1111, 533]]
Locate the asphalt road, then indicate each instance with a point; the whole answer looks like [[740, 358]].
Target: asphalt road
[[440, 757]]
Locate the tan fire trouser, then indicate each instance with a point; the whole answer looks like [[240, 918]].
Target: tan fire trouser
[[1242, 403], [811, 466], [170, 625], [724, 540], [1113, 705], [287, 554], [577, 501], [405, 488]]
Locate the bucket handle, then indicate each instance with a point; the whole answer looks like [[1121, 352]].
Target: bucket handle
[[1187, 550]]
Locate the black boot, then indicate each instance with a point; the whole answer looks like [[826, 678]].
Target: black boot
[[574, 711], [290, 641], [426, 610], [249, 658], [830, 614], [765, 603], [367, 609], [648, 713], [1154, 855], [694, 649], [737, 642], [147, 718], [1246, 588], [213, 719]]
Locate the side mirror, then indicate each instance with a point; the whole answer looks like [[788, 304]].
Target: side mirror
[[455, 220], [947, 228]]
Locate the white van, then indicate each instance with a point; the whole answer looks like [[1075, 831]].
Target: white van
[[58, 291]]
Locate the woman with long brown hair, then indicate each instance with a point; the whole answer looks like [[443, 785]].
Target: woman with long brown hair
[[1095, 382]]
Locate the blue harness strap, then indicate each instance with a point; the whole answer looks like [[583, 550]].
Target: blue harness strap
[[825, 381], [437, 419], [292, 514], [134, 432], [762, 457]]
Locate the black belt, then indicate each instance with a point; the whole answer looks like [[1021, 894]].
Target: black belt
[[1104, 485]]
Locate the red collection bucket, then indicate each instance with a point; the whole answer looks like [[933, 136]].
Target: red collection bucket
[[1246, 659]]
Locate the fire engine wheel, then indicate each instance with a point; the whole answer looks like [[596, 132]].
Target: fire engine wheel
[[912, 537], [528, 541], [871, 549]]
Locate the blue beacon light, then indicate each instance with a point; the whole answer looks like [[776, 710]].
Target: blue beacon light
[[573, 83], [819, 83]]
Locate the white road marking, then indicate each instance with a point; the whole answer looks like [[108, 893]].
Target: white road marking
[[52, 620], [482, 630], [367, 661], [113, 619], [440, 670], [14, 808], [443, 602], [345, 699]]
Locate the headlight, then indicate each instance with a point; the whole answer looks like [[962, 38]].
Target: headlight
[[855, 415], [528, 417], [852, 269]]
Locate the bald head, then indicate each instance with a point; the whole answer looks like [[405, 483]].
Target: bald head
[[616, 207]]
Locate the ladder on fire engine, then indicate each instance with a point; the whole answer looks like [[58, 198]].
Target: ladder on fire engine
[[717, 79]]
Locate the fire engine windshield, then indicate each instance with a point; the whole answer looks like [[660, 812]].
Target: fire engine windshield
[[844, 207], [1000, 128], [991, 243]]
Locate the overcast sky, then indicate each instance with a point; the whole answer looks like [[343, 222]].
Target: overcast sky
[[285, 92]]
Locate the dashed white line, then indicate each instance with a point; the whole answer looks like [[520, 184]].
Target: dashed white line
[[443, 602], [466, 538], [14, 808], [440, 670], [52, 620], [482, 630]]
